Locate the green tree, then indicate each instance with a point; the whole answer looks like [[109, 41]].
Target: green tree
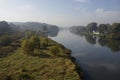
[[92, 27], [115, 28], [5, 40], [35, 41], [114, 31], [28, 45], [103, 29]]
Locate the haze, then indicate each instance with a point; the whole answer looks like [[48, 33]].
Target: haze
[[60, 12]]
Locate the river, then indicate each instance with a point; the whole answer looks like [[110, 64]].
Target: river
[[98, 62]]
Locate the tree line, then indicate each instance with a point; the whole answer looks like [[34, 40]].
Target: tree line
[[110, 31]]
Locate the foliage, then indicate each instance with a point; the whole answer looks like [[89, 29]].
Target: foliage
[[115, 28], [5, 40], [28, 45], [103, 29], [45, 42], [92, 27], [114, 31], [110, 31], [55, 50]]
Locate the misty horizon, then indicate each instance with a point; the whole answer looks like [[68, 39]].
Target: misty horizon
[[61, 12]]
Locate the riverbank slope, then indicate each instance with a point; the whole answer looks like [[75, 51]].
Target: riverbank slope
[[46, 65]]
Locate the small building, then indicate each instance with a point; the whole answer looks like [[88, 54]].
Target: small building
[[94, 32]]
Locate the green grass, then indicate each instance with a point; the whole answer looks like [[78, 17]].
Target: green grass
[[19, 66]]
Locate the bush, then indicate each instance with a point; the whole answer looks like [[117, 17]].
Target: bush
[[54, 50], [5, 40], [44, 44], [29, 45]]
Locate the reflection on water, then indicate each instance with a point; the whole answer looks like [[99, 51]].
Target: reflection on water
[[94, 54], [114, 45], [90, 39]]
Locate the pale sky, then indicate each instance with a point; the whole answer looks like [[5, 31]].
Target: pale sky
[[60, 12]]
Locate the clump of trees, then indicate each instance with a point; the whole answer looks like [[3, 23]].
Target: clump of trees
[[110, 31], [36, 45], [103, 29], [34, 42], [29, 45], [92, 27]]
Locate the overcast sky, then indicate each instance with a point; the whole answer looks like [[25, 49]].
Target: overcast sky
[[61, 12]]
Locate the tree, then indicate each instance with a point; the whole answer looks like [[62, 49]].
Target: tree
[[115, 28], [92, 27], [114, 31], [29, 45], [5, 40], [35, 41], [103, 29]]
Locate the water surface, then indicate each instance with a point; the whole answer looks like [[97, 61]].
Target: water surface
[[99, 61]]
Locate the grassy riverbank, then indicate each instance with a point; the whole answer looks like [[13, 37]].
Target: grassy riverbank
[[43, 66]]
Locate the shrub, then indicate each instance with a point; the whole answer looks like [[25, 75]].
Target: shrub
[[29, 45], [54, 50], [44, 44], [5, 40]]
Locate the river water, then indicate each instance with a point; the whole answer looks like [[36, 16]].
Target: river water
[[99, 62]]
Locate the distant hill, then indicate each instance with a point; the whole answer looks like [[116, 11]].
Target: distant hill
[[50, 30], [35, 26], [4, 27]]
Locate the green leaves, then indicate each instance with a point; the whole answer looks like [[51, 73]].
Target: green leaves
[[28, 45]]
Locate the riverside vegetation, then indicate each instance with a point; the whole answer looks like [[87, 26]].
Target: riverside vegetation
[[104, 30], [105, 34], [31, 56]]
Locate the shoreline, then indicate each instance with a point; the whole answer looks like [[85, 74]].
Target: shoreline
[[46, 66]]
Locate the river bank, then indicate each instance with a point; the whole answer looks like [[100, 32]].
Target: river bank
[[45, 66]]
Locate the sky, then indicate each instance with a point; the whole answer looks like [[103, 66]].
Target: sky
[[60, 12]]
